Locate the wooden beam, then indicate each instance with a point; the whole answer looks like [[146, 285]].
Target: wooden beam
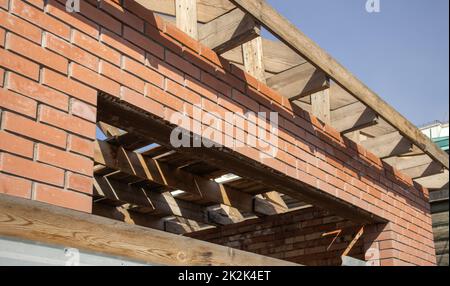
[[186, 13], [308, 49], [388, 145], [252, 52], [229, 31], [320, 104], [353, 117], [145, 168], [207, 10], [223, 215], [416, 166], [299, 81], [435, 182], [43, 223], [277, 57], [181, 225]]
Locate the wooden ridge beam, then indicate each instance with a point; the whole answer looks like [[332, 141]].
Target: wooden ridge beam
[[300, 81], [389, 145], [135, 164], [304, 46], [229, 31], [39, 222], [353, 117]]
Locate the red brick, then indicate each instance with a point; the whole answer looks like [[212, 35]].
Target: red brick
[[163, 39], [216, 84], [67, 122], [100, 17], [245, 101], [178, 35], [64, 160], [68, 86], [63, 198], [19, 64], [71, 52], [83, 110], [142, 102], [122, 77], [164, 98], [15, 186], [182, 64], [37, 91], [81, 146], [37, 3], [4, 4], [75, 20], [143, 42], [32, 170], [144, 13], [2, 77], [34, 130], [80, 183], [201, 89], [40, 19], [2, 37], [17, 145], [18, 103], [95, 80], [21, 27], [124, 16], [182, 92], [100, 50], [122, 45], [165, 69], [143, 72]]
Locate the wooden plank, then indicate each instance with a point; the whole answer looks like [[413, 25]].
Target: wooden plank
[[253, 58], [39, 222], [440, 219], [389, 145], [186, 15], [435, 182], [277, 57], [299, 81], [439, 195], [181, 225], [352, 117], [229, 31], [416, 166], [207, 10], [149, 169], [320, 105], [291, 36]]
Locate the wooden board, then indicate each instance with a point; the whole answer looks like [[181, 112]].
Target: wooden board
[[39, 222]]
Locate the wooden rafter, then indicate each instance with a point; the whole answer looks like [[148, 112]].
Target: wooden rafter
[[229, 31], [291, 36], [145, 168]]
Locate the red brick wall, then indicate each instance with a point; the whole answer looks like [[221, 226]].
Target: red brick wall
[[296, 237], [52, 63]]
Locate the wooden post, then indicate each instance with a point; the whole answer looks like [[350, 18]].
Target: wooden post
[[186, 13], [320, 103], [253, 59]]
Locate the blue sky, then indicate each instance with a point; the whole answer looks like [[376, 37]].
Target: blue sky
[[402, 53]]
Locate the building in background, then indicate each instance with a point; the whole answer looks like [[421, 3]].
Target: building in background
[[438, 132]]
